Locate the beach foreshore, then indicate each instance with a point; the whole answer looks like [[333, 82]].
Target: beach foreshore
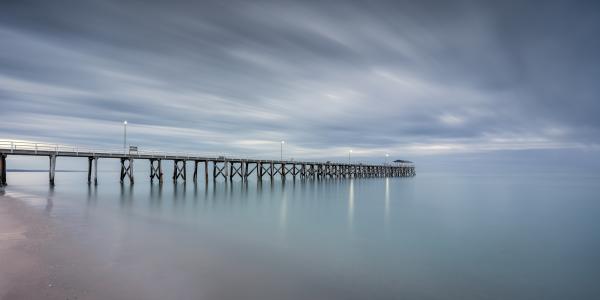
[[24, 234], [39, 259]]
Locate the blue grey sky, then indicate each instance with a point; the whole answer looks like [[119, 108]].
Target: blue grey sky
[[483, 82]]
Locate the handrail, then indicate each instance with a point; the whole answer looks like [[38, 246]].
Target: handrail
[[77, 149]]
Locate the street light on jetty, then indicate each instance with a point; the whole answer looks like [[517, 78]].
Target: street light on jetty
[[282, 142], [386, 157], [349, 155], [124, 137]]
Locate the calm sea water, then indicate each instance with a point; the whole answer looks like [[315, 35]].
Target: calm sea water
[[434, 236]]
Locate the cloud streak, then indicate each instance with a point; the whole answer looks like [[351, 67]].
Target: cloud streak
[[409, 78]]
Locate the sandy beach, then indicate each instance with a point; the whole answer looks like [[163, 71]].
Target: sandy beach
[[24, 233], [39, 260]]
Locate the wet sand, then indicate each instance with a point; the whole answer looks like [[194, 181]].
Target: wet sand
[[39, 260], [24, 233]]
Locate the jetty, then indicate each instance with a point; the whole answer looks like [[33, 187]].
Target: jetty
[[226, 167]]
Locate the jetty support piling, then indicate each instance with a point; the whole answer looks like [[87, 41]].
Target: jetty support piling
[[156, 170], [219, 170], [127, 169], [283, 171], [214, 170], [89, 173], [195, 176], [236, 168], [206, 171], [179, 170], [295, 170], [95, 171], [52, 169], [279, 170], [250, 168], [92, 170], [259, 171], [2, 169]]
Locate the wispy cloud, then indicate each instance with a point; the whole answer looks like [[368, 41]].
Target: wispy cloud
[[239, 77]]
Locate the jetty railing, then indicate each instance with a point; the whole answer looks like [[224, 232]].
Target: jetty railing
[[224, 164]]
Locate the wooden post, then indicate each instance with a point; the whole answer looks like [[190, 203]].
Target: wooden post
[[131, 170], [2, 169], [90, 169], [160, 171], [52, 170], [122, 176], [174, 170], [195, 171], [156, 170], [259, 171], [95, 171], [214, 170], [206, 170], [93, 168]]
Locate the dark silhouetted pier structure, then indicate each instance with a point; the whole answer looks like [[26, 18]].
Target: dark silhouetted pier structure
[[227, 168]]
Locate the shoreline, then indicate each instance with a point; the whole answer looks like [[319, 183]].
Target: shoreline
[[24, 234], [39, 259]]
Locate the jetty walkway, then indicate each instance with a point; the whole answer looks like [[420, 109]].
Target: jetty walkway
[[226, 167]]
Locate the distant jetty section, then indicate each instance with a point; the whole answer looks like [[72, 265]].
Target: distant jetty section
[[222, 167]]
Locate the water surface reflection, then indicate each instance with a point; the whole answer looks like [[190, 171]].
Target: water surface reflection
[[418, 238]]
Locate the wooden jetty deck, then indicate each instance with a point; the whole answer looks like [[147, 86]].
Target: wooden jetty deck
[[226, 167]]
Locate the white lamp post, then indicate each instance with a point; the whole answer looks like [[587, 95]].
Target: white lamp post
[[386, 156], [124, 137], [282, 142], [349, 155]]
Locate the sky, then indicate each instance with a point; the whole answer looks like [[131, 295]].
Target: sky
[[442, 83]]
